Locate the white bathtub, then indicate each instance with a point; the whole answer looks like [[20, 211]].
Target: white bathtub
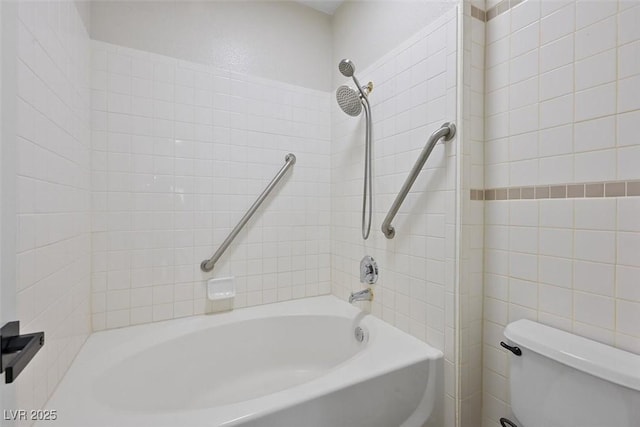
[[295, 363]]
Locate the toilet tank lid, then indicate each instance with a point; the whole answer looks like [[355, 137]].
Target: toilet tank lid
[[594, 358]]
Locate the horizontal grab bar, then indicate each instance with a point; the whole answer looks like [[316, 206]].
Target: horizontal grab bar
[[207, 264], [448, 131]]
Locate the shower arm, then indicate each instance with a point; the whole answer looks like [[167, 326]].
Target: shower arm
[[369, 87], [208, 264], [448, 131]]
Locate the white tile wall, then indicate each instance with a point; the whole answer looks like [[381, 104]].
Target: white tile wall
[[179, 153], [570, 263], [53, 193], [576, 83], [414, 93]]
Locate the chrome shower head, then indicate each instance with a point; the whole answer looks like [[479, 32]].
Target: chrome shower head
[[349, 100], [347, 68]]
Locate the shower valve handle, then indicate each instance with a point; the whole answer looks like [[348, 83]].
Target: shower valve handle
[[368, 270]]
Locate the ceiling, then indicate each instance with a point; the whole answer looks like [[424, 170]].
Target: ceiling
[[326, 6]]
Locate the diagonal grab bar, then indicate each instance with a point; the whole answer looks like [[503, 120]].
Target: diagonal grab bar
[[207, 264], [448, 131]]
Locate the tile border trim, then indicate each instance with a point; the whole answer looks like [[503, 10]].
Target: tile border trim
[[478, 13], [501, 8], [563, 191]]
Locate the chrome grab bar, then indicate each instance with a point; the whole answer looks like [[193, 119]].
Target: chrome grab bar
[[448, 131], [207, 264]]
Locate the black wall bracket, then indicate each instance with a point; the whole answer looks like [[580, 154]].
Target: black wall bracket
[[513, 349], [17, 350], [505, 422]]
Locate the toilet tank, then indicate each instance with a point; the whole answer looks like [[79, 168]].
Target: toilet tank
[[563, 380]]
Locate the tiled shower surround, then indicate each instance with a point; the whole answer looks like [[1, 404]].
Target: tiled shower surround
[[182, 138], [171, 153], [414, 94], [52, 176], [179, 152]]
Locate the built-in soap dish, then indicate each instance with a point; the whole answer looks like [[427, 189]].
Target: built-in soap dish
[[221, 289]]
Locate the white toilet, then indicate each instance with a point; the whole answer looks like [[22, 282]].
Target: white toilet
[[563, 380]]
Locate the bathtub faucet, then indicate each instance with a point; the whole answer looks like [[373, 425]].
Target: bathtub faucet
[[364, 295]]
